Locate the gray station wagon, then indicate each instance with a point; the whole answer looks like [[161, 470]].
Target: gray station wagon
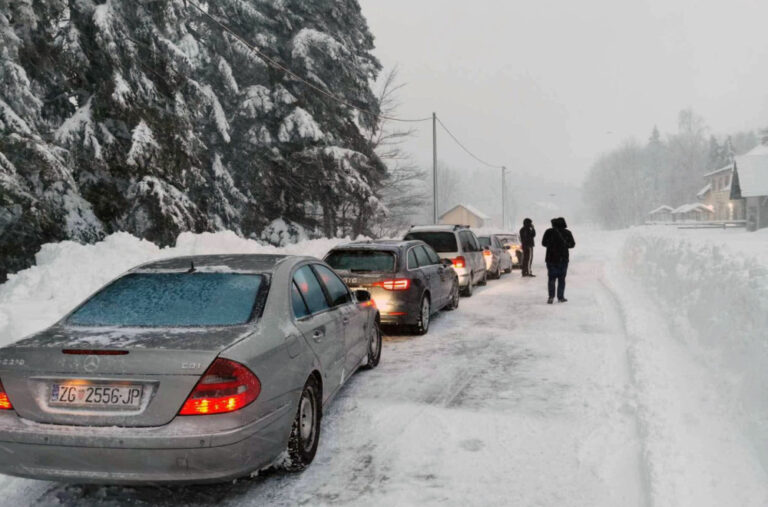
[[407, 279], [189, 369]]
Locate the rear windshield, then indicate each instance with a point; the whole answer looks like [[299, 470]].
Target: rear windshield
[[172, 300], [510, 238], [484, 241], [441, 242], [361, 261]]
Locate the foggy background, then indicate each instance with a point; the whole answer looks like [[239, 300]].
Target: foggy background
[[545, 87]]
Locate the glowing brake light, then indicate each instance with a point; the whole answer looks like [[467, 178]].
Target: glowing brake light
[[5, 403], [397, 284], [226, 386], [459, 262], [487, 253]]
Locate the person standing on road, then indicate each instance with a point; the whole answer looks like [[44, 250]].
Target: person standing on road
[[527, 235], [558, 241]]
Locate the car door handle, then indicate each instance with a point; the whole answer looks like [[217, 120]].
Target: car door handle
[[317, 334], [345, 320]]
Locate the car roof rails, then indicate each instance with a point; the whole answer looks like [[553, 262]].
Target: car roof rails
[[457, 227]]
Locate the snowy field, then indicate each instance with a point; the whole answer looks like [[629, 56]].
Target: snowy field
[[644, 389]]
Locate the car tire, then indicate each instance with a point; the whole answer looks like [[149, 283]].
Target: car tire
[[467, 291], [374, 348], [484, 280], [455, 297], [509, 269], [425, 312], [497, 273], [305, 434]]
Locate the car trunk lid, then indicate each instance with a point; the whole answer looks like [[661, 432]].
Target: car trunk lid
[[146, 373]]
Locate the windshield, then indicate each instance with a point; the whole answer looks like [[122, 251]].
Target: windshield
[[440, 242], [361, 260], [484, 241], [172, 300]]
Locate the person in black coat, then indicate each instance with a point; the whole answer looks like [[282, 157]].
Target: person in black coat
[[558, 241], [527, 235]]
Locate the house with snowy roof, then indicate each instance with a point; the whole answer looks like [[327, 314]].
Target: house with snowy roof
[[661, 214], [750, 182], [464, 214], [693, 212], [716, 195]]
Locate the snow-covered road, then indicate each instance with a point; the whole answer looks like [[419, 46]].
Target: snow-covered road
[[510, 401], [506, 401]]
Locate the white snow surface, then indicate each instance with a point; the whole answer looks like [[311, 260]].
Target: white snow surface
[[645, 389], [753, 172]]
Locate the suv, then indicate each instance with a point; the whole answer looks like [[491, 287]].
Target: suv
[[458, 244]]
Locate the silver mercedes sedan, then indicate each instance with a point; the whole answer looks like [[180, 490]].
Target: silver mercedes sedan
[[192, 369]]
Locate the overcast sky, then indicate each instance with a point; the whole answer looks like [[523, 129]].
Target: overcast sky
[[547, 85]]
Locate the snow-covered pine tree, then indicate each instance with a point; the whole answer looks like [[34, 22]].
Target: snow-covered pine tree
[[145, 116]]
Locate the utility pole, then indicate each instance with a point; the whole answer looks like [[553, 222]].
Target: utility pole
[[434, 168], [503, 198]]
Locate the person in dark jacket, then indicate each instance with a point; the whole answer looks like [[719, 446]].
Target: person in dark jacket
[[558, 241], [527, 235]]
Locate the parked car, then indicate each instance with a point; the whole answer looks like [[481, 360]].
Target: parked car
[[512, 243], [192, 369], [407, 279], [497, 257], [458, 244]]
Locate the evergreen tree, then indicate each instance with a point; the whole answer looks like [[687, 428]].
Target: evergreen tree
[[147, 117]]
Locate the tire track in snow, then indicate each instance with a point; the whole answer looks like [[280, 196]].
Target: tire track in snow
[[639, 428]]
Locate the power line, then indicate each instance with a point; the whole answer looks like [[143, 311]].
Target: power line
[[456, 140], [288, 71]]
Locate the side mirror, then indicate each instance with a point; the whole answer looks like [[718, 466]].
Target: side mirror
[[362, 296], [486, 248], [446, 262]]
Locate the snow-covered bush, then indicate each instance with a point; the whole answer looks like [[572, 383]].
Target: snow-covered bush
[[714, 292]]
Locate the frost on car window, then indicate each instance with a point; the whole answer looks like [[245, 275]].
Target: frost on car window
[[172, 299]]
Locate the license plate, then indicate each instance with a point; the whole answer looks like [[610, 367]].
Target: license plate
[[96, 395]]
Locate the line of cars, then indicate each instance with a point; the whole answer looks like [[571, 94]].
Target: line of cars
[[207, 368]]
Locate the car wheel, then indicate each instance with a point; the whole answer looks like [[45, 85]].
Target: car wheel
[[467, 291], [497, 273], [305, 433], [374, 348], [484, 280], [454, 302], [425, 312]]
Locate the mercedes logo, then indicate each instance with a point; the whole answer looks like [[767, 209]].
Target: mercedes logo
[[91, 364]]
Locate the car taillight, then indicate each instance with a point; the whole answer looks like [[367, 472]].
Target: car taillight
[[459, 262], [487, 253], [226, 386], [397, 284], [5, 403]]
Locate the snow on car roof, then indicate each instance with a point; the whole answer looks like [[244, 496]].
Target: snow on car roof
[[217, 263]]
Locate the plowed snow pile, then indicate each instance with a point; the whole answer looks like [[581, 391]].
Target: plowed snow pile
[[68, 272]]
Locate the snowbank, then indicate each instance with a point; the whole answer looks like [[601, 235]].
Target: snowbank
[[66, 273], [712, 289]]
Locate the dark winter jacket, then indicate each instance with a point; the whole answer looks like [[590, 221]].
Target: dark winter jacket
[[558, 240], [527, 233]]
